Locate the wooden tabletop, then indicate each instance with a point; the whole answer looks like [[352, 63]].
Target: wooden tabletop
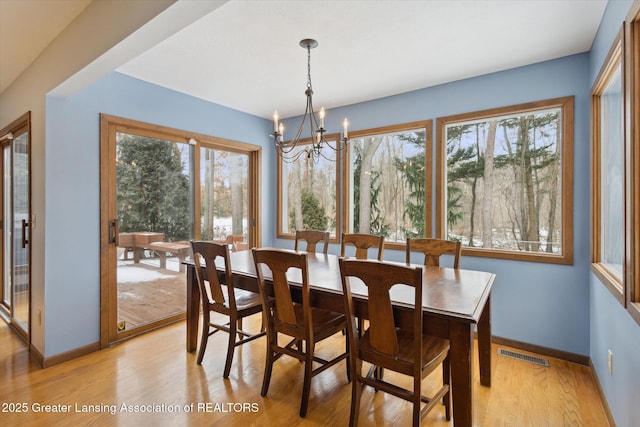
[[451, 293]]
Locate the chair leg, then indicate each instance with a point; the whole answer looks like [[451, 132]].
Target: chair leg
[[417, 400], [239, 323], [348, 358], [356, 391], [204, 337], [268, 365], [446, 379], [308, 371], [231, 347]]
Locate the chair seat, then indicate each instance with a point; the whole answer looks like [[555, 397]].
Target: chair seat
[[325, 322], [434, 349], [245, 300]]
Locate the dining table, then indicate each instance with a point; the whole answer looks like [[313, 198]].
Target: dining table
[[454, 303]]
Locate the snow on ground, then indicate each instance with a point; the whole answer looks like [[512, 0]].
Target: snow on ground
[[131, 273]]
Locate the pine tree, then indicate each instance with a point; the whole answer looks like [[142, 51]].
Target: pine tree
[[153, 192]]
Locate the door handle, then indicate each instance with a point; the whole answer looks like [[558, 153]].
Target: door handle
[[113, 231], [25, 241]]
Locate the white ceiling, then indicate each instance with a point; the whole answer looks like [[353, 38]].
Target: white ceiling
[[245, 55]]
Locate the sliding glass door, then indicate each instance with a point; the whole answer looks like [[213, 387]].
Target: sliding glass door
[[15, 291], [160, 189], [154, 211]]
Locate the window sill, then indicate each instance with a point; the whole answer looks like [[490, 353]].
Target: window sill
[[611, 282]]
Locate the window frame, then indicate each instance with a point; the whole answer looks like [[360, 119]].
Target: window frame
[[616, 286], [427, 125], [566, 104], [631, 93], [280, 233]]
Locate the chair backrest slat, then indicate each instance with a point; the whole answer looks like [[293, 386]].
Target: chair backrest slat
[[279, 262], [432, 249], [362, 243], [312, 237], [207, 252]]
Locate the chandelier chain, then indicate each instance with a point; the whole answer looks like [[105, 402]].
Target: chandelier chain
[[309, 68]]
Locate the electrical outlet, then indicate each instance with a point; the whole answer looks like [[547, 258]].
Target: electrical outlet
[[610, 362]]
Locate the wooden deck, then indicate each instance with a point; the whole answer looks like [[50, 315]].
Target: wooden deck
[[141, 302]]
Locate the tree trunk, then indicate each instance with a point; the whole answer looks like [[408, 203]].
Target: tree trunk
[[474, 186], [368, 150], [208, 201], [297, 195], [487, 217], [237, 199], [553, 192], [533, 231]]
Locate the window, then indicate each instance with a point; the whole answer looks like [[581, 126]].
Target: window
[[224, 194], [504, 181], [388, 182], [632, 103], [308, 192], [608, 173]]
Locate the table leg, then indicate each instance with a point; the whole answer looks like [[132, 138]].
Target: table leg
[[181, 258], [461, 341], [137, 254], [193, 309], [163, 258], [484, 344]]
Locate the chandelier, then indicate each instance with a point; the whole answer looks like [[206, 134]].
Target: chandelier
[[291, 150]]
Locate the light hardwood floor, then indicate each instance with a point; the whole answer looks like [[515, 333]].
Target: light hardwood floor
[[155, 369]]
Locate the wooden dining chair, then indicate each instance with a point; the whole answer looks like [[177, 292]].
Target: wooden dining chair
[[300, 321], [407, 351], [312, 237], [362, 243], [237, 243], [432, 249], [224, 299]]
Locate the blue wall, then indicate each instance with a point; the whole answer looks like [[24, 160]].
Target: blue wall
[[611, 326], [542, 304], [72, 265], [561, 307]]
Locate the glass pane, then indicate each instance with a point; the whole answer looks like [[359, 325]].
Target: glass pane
[[504, 187], [612, 174], [154, 221], [309, 192], [224, 197], [7, 226], [387, 194], [21, 231]]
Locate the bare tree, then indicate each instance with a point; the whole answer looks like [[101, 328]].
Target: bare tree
[[487, 206], [235, 182], [369, 147], [297, 194], [208, 194]]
